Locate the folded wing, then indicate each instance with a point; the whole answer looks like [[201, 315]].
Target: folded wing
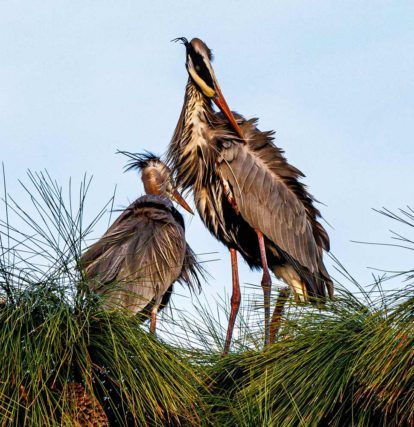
[[270, 198], [138, 259]]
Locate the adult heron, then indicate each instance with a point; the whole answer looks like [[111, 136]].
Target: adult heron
[[247, 194]]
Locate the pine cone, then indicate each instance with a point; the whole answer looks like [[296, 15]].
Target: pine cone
[[88, 412]]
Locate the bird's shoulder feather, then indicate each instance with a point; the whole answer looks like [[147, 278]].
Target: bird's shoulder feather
[[269, 194]]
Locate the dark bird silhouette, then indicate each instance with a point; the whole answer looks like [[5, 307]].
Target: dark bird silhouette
[[135, 263], [247, 194]]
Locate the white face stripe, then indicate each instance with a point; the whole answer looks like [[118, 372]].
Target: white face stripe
[[207, 90], [205, 57]]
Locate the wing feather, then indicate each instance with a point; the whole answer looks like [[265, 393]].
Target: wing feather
[[141, 255], [270, 197]]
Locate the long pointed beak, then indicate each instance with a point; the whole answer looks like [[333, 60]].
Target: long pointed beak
[[177, 196], [221, 103]]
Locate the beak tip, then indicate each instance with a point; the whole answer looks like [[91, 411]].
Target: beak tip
[[187, 208], [180, 200]]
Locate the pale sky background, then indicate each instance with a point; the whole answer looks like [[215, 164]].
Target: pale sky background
[[80, 79]]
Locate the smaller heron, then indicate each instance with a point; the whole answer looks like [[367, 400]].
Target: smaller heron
[[136, 262]]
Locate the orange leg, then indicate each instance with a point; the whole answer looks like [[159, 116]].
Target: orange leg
[[266, 285], [153, 324], [235, 299]]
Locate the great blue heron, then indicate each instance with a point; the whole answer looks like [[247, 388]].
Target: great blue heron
[[247, 194], [135, 263]]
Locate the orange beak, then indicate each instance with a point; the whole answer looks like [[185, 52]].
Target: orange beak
[[224, 108], [177, 196]]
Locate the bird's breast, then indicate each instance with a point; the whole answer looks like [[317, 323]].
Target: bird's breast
[[210, 202], [197, 127]]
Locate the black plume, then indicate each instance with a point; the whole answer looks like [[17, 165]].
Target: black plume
[[139, 160], [183, 40]]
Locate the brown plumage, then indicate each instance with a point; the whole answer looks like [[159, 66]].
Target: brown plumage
[[136, 262], [244, 188]]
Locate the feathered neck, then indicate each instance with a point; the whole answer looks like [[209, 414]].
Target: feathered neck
[[189, 144]]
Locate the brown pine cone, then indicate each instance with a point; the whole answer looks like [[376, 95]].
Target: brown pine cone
[[88, 412]]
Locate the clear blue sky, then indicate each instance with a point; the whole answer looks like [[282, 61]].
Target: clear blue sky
[[79, 79]]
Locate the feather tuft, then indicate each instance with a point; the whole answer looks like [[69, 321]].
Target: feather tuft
[[140, 161]]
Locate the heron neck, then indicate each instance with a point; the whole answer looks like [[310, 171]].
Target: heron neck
[[190, 135]]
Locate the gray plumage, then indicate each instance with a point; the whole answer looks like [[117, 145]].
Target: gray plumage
[[136, 262], [269, 197], [242, 185]]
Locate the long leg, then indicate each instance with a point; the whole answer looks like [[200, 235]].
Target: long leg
[[266, 285], [235, 299], [154, 312], [278, 313], [153, 323]]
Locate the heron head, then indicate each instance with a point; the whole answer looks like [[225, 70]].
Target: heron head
[[198, 64], [156, 176]]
